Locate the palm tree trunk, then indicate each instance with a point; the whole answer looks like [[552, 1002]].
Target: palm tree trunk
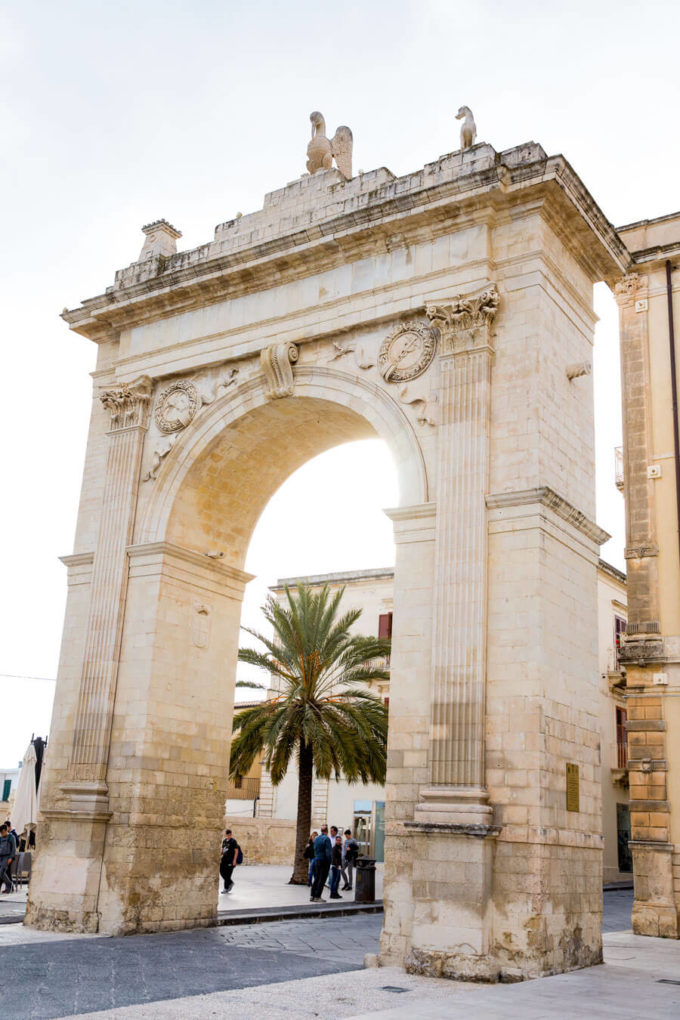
[[304, 813]]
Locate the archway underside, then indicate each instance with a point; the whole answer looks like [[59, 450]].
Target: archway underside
[[227, 488]]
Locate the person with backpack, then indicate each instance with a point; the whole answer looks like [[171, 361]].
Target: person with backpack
[[350, 853], [231, 856]]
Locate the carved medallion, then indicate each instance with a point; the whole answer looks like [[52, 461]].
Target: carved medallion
[[176, 406], [406, 352]]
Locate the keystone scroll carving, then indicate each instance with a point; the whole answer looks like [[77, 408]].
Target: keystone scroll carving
[[276, 361]]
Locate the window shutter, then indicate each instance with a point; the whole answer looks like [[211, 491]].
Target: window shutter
[[385, 625]]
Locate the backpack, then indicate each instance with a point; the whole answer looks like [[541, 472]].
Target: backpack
[[239, 855]]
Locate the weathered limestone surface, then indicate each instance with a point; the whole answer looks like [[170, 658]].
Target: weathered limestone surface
[[494, 665], [263, 840]]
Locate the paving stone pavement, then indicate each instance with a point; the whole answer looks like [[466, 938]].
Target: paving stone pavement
[[69, 977], [202, 972]]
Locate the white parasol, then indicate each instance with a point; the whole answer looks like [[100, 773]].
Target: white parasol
[[25, 810]]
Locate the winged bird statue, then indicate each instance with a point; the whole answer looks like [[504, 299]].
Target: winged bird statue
[[321, 150]]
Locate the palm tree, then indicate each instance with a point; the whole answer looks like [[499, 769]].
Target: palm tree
[[323, 713]]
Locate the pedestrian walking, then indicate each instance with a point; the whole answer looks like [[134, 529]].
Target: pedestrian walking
[[309, 856], [332, 834], [350, 853], [322, 863], [229, 860], [336, 867], [8, 851]]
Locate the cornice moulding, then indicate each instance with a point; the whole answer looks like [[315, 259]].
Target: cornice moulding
[[205, 561], [418, 512], [84, 559], [545, 496], [496, 180]]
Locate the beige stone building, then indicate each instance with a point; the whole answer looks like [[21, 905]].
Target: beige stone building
[[362, 806], [612, 616], [448, 311], [648, 310]]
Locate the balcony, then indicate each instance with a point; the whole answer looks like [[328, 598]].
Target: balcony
[[243, 788]]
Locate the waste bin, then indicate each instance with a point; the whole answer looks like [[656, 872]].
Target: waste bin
[[364, 881]]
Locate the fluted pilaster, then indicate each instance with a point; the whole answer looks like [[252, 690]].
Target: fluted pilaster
[[459, 654], [129, 407]]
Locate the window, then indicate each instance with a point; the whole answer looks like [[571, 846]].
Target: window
[[238, 782], [6, 789], [385, 625], [621, 744], [619, 631]]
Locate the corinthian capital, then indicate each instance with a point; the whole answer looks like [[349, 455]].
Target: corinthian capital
[[630, 287], [129, 404], [466, 323]]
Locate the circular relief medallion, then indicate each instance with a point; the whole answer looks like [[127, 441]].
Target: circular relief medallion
[[176, 406], [406, 352]]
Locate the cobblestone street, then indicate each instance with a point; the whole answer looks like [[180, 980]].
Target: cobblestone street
[[171, 975]]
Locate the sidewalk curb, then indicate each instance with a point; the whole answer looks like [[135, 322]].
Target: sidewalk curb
[[262, 916]]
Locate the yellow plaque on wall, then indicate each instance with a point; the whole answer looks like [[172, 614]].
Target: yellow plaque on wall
[[572, 787]]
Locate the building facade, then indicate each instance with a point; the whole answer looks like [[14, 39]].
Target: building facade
[[649, 308]]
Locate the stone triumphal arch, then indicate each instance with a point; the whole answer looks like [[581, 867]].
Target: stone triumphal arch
[[450, 313]]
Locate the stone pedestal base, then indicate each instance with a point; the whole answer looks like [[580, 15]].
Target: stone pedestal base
[[64, 890], [655, 911], [464, 901], [547, 903], [452, 926]]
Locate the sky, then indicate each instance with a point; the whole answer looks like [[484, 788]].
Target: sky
[[114, 115]]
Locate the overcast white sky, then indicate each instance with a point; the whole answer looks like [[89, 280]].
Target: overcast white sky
[[113, 115]]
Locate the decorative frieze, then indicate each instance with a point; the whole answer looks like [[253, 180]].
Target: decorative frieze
[[176, 407]]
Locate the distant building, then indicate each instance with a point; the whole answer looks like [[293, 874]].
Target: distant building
[[8, 783]]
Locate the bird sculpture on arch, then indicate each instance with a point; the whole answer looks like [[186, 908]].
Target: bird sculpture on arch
[[322, 150], [468, 129]]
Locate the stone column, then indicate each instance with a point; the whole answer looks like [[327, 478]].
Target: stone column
[[459, 655], [129, 406]]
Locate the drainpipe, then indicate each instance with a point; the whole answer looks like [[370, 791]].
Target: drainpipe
[[674, 390]]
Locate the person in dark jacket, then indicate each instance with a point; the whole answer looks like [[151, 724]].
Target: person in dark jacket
[[322, 862], [8, 851], [336, 868], [350, 853], [228, 860], [309, 856]]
